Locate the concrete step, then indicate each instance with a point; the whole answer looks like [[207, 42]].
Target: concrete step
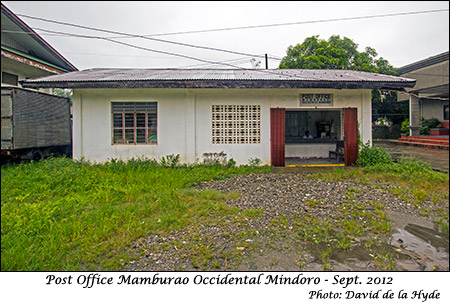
[[425, 141], [427, 145], [425, 138]]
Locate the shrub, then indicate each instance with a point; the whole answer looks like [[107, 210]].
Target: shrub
[[425, 125], [231, 163], [254, 162], [424, 129], [431, 123], [405, 128], [369, 156]]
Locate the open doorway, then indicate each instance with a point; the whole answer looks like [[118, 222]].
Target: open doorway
[[314, 137], [347, 124]]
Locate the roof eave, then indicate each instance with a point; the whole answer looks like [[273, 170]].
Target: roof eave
[[30, 60], [224, 84], [21, 24]]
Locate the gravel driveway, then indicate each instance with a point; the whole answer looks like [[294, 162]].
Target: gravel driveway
[[276, 195]]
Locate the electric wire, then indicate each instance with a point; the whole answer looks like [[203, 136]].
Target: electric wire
[[174, 54], [128, 35], [149, 37], [64, 34], [278, 24]]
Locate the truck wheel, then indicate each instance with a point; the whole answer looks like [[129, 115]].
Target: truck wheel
[[37, 155]]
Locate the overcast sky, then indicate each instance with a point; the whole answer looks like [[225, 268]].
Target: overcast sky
[[399, 39]]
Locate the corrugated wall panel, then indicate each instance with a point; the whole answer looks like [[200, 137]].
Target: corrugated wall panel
[[40, 120], [350, 135], [7, 131], [277, 136]]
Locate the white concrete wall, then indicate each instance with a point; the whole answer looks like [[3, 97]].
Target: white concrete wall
[[313, 150], [184, 120], [433, 109]]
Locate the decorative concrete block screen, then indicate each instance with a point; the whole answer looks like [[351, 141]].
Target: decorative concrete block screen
[[236, 124]]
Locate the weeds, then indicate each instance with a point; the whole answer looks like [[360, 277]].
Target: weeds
[[254, 162], [58, 214], [411, 180], [325, 257], [170, 161], [384, 261]]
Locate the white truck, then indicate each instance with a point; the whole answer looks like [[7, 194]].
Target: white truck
[[34, 124]]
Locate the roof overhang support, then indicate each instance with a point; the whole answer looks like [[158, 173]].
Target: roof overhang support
[[414, 115]]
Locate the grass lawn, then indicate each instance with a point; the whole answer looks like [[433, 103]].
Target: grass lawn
[[63, 215], [58, 214]]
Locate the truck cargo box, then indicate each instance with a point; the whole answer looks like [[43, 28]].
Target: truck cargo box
[[32, 119]]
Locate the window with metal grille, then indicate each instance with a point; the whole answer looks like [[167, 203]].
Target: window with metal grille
[[236, 124], [134, 123]]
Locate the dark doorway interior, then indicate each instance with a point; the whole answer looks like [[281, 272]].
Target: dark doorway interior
[[311, 137]]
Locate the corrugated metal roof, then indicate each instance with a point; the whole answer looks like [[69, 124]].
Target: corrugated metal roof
[[424, 63], [107, 74], [201, 78]]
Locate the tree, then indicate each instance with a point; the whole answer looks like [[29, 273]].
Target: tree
[[334, 53], [342, 54], [63, 92]]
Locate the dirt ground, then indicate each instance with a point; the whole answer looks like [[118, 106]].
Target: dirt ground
[[299, 226]]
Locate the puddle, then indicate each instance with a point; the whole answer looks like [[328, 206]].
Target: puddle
[[356, 258], [412, 248], [427, 248]]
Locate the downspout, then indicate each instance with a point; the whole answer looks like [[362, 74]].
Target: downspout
[[81, 126], [195, 126]]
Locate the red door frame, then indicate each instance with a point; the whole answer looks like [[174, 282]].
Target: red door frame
[[350, 135], [277, 136]]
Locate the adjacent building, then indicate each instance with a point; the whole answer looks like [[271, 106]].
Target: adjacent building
[[429, 98], [35, 123], [25, 54]]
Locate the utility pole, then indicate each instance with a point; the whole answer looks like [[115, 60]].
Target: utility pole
[[267, 62]]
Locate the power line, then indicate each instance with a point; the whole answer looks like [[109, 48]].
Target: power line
[[198, 59], [159, 51], [206, 63], [278, 24], [59, 33], [137, 47], [128, 35], [64, 34], [279, 73], [234, 61], [223, 29]]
